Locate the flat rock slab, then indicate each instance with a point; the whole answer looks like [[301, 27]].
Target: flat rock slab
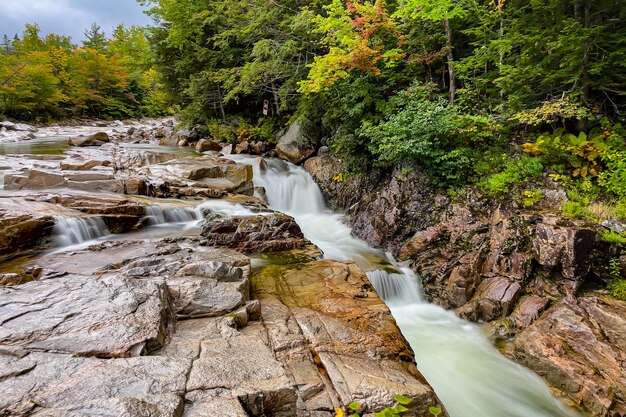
[[87, 316], [247, 367], [60, 385]]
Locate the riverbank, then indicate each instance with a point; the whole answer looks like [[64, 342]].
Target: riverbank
[[536, 279]]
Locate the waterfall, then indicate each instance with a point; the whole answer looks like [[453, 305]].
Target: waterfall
[[158, 214], [467, 372], [74, 230]]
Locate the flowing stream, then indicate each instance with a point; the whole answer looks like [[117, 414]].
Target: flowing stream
[[469, 375]]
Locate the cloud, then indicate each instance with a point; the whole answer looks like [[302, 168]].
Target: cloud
[[68, 17]]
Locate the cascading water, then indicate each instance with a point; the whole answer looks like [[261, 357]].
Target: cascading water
[[158, 214], [469, 375], [74, 230]]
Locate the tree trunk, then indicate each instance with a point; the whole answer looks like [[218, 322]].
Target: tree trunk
[[451, 73], [219, 95], [276, 98]]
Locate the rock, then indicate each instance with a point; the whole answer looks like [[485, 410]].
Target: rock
[[529, 310], [205, 145], [297, 143], [18, 127], [579, 347], [563, 246], [421, 241], [253, 234], [495, 298], [22, 230], [242, 147], [257, 148], [107, 317], [614, 225], [97, 139], [203, 283], [44, 384], [34, 180], [247, 367], [328, 310]]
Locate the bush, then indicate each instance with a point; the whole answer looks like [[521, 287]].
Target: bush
[[516, 171], [614, 238], [576, 210], [421, 130]]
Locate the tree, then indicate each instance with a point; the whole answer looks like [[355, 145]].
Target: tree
[[95, 38], [443, 11]]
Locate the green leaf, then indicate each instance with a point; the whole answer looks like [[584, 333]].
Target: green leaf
[[401, 409], [354, 406], [435, 411], [402, 399]]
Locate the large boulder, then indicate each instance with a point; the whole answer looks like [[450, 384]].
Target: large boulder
[[297, 143], [327, 312], [253, 234], [97, 139], [205, 145]]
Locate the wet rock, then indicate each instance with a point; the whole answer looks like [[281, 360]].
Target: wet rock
[[107, 317], [33, 180], [61, 385], [19, 230], [257, 148], [327, 312], [205, 145], [579, 347], [97, 139], [253, 234], [242, 147], [421, 241], [297, 143]]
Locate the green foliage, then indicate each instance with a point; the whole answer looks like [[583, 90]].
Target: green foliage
[[614, 238], [49, 77], [435, 411], [531, 197], [617, 284], [398, 409], [422, 130], [576, 210], [517, 170]]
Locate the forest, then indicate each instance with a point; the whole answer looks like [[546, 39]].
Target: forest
[[487, 92], [43, 78]]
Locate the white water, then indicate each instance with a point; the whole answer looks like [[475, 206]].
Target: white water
[[75, 230], [158, 214], [469, 375]]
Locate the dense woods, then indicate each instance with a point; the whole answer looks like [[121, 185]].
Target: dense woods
[[432, 80], [50, 77]]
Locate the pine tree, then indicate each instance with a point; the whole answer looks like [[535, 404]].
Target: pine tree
[[95, 38]]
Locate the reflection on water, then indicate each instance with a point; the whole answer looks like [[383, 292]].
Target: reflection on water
[[54, 145]]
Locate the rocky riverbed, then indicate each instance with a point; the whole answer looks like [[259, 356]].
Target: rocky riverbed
[[147, 280]]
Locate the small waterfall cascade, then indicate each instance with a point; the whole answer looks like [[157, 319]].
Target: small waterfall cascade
[[74, 230], [470, 376], [158, 214]]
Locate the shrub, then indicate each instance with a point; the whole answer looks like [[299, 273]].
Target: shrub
[[516, 171], [422, 130], [614, 238], [617, 285], [576, 210]]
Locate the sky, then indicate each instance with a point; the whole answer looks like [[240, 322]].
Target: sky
[[69, 17]]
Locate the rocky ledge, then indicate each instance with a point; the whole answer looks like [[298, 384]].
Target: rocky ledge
[[161, 329]]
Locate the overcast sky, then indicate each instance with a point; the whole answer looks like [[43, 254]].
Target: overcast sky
[[69, 17]]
